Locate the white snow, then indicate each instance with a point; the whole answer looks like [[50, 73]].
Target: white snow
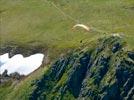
[[20, 64], [3, 58], [116, 35]]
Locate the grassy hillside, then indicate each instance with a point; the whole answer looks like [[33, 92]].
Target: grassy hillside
[[103, 71], [13, 90], [38, 22]]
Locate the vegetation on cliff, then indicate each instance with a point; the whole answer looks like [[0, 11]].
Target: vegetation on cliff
[[102, 71]]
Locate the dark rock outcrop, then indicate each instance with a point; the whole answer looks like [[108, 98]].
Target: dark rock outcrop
[[131, 55], [103, 72], [4, 77], [14, 49], [116, 47]]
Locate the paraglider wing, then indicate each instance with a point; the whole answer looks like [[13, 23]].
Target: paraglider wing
[[82, 26]]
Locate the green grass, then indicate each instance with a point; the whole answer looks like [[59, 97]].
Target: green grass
[[22, 90], [38, 22], [5, 89]]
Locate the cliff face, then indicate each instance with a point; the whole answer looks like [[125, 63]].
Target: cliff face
[[104, 71]]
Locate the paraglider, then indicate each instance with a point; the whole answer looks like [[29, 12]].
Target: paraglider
[[82, 26]]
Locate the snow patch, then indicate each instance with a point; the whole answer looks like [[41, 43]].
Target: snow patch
[[20, 64]]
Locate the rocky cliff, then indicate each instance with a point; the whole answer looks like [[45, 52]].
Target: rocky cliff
[[104, 71]]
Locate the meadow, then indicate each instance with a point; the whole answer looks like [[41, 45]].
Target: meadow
[[39, 22]]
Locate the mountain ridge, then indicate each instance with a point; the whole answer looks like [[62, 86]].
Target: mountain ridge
[[84, 75]]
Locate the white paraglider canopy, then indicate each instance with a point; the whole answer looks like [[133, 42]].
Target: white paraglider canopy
[[82, 26]]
